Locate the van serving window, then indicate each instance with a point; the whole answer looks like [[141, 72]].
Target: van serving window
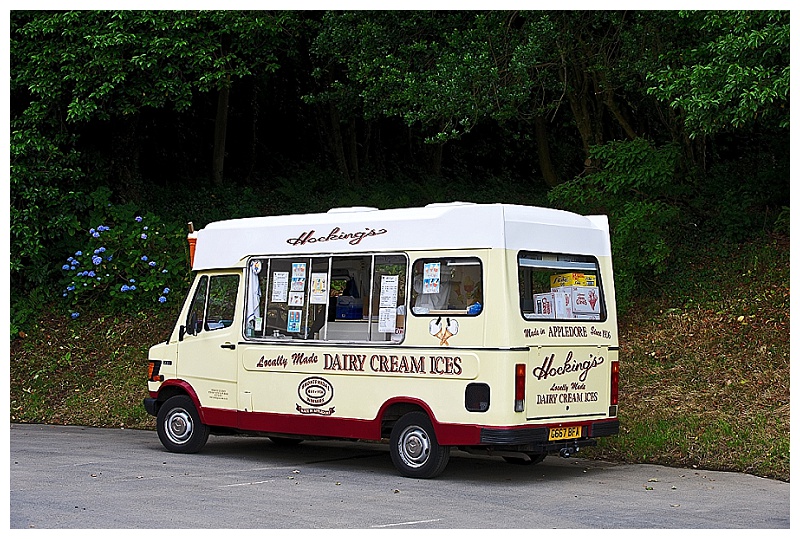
[[560, 287], [448, 286], [327, 298]]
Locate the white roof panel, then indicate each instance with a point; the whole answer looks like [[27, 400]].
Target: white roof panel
[[437, 226]]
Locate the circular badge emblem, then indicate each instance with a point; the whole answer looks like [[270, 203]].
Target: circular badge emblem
[[315, 391]]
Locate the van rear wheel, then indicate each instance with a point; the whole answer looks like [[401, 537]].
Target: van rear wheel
[[414, 449], [179, 427]]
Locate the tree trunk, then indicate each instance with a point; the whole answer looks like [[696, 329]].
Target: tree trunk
[[125, 159], [436, 152], [338, 142], [220, 130], [352, 146], [543, 149]]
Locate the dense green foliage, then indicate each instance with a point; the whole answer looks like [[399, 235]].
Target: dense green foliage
[[128, 262], [674, 124]]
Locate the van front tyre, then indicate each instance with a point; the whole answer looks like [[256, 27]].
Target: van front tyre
[[179, 427], [414, 449]]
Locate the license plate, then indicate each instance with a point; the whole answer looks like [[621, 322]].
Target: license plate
[[564, 433]]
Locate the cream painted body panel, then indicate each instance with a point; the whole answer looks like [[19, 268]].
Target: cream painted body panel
[[567, 363]]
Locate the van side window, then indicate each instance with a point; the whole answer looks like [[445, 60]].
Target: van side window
[[329, 298], [560, 287], [221, 304], [196, 316], [447, 286], [213, 305]]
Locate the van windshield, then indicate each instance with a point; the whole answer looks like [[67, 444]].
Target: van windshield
[[560, 287]]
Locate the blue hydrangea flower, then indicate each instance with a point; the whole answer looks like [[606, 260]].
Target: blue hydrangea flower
[[71, 287], [96, 260], [132, 281], [65, 267], [91, 274], [78, 253], [133, 287], [124, 288], [145, 228], [164, 271], [138, 219], [166, 291], [152, 264], [96, 235], [144, 236], [162, 299], [75, 315], [144, 259]]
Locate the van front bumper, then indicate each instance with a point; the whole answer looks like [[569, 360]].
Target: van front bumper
[[150, 406]]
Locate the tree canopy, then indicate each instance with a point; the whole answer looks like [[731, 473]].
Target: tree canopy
[[675, 124]]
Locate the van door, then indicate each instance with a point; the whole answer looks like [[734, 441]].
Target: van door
[[207, 355], [568, 383]]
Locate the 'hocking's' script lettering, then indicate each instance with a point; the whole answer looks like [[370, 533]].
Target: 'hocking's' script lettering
[[583, 367], [334, 235]]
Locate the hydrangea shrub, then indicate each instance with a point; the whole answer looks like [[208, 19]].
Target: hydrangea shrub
[[130, 262]]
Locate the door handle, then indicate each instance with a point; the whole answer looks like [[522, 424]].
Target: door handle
[[229, 346]]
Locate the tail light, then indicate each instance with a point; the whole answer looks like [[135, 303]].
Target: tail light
[[519, 387], [615, 383], [152, 372]]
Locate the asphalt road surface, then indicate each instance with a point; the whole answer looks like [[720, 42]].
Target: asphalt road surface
[[88, 478]]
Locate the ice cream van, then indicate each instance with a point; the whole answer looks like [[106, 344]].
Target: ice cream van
[[481, 327]]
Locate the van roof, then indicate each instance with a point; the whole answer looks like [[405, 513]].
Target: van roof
[[456, 225]]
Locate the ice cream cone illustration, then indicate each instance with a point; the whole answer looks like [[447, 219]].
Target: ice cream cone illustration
[[441, 332]]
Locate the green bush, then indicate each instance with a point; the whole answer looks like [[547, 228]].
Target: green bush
[[635, 184], [129, 262]]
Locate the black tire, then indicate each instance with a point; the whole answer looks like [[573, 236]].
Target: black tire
[[179, 427], [535, 458], [414, 449]]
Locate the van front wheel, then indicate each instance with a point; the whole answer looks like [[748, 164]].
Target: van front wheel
[[414, 449], [179, 427]]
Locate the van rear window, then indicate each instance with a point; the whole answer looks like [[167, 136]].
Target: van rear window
[[560, 287]]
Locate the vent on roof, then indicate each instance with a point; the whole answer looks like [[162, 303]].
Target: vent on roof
[[447, 204], [352, 209]]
